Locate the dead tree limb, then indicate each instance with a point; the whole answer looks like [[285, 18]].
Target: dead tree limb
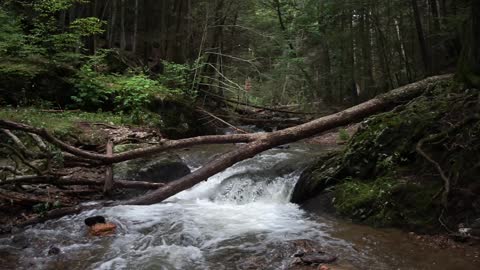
[[434, 137], [22, 198], [55, 181], [221, 120], [132, 154], [109, 170], [254, 106], [21, 157]]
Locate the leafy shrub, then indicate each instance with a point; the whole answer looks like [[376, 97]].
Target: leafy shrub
[[12, 38], [131, 93]]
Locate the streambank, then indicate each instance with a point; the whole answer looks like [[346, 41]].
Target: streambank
[[415, 167]]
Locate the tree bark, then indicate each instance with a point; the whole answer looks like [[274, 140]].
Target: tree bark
[[123, 38], [135, 29], [425, 52], [55, 181], [109, 170], [469, 63]]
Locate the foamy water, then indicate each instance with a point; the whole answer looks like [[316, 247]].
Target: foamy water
[[240, 213]]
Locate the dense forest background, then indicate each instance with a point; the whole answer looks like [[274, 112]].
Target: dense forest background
[[269, 52]]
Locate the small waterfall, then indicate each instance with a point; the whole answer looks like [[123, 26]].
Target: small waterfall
[[239, 213]]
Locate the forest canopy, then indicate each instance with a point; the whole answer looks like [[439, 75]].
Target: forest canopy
[[270, 52]]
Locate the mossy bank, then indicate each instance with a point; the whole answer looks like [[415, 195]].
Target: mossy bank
[[380, 178]]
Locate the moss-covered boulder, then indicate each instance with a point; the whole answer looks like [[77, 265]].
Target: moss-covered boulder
[[162, 168], [28, 80], [381, 179]]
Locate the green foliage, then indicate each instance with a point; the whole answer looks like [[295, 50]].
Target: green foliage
[[12, 38], [386, 201], [61, 124], [131, 93], [43, 208], [343, 134], [50, 7], [362, 199]]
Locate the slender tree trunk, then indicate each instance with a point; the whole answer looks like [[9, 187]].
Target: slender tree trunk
[[402, 51], [425, 52], [113, 17], [123, 39], [469, 63], [278, 9], [135, 28]]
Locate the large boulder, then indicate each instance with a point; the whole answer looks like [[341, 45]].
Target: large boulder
[[381, 179], [162, 168]]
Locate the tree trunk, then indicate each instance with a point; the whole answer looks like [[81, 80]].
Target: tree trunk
[[113, 17], [123, 39], [135, 29], [469, 63], [425, 52]]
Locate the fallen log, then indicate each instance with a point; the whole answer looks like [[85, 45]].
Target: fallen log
[[26, 199], [265, 141], [132, 154], [56, 181]]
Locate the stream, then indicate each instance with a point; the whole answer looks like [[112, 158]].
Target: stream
[[238, 219]]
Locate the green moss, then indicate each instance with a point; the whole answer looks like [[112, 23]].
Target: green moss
[[387, 201], [380, 179], [61, 124]]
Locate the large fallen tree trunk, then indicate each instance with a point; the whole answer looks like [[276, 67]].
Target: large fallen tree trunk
[[255, 143], [267, 141]]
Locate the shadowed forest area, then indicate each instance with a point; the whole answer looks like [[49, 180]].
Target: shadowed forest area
[[342, 115]]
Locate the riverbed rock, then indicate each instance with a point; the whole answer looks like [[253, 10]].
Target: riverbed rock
[[323, 173], [53, 250], [317, 258], [161, 168], [380, 178]]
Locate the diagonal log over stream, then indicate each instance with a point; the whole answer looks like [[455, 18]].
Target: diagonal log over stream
[[254, 143]]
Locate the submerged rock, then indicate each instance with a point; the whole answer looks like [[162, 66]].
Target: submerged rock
[[159, 169], [53, 250], [317, 258]]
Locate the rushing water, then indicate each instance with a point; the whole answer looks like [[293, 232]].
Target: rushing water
[[238, 219]]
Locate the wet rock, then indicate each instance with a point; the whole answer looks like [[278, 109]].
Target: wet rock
[[20, 241], [317, 258], [91, 221], [299, 253], [159, 169], [53, 250], [324, 173], [103, 229], [308, 253]]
